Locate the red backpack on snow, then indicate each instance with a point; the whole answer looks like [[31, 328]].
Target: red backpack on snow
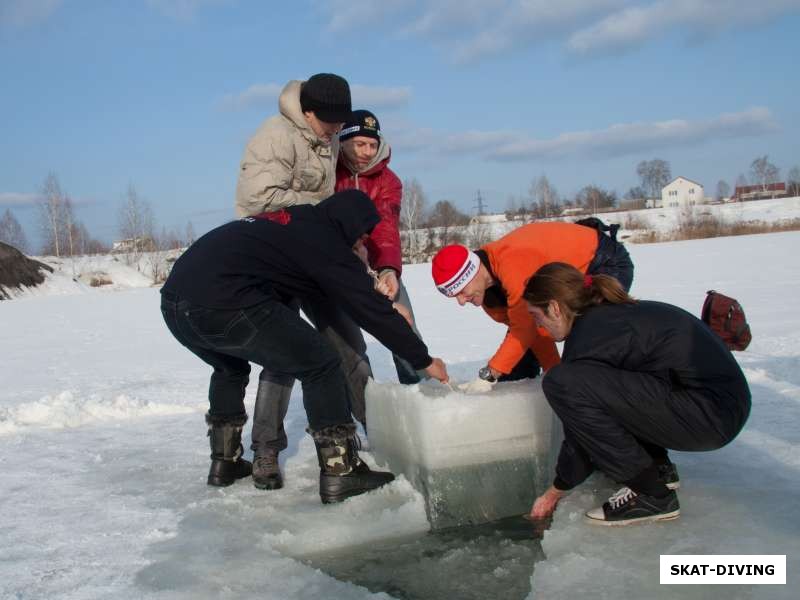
[[726, 318]]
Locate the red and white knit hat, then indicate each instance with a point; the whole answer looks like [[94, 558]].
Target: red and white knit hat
[[453, 268]]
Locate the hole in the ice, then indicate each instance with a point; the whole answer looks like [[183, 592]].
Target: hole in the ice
[[468, 563]]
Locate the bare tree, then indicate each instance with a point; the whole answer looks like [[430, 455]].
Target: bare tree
[[190, 234], [157, 258], [136, 225], [655, 174], [544, 197], [51, 207], [11, 232], [793, 181], [412, 209], [447, 220], [68, 243], [85, 243], [634, 198], [723, 190], [478, 234], [763, 172], [593, 198]]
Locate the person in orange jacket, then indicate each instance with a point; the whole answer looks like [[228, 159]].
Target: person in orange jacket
[[494, 278]]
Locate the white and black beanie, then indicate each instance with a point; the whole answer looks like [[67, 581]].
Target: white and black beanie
[[363, 123]]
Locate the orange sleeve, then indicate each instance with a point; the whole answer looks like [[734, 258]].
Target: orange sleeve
[[498, 314], [522, 335]]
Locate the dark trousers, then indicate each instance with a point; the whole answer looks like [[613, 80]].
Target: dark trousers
[[621, 421], [269, 334], [275, 388]]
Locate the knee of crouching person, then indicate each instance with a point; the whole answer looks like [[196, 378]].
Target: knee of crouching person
[[558, 384]]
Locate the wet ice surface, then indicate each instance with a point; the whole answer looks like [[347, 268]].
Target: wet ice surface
[[104, 456], [468, 563]]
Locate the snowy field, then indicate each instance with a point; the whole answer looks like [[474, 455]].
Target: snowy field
[[663, 221], [104, 457]]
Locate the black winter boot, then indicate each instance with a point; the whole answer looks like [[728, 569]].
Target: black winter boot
[[266, 471], [227, 464], [342, 473]]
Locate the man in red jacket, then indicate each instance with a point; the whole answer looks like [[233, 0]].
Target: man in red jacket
[[364, 165]]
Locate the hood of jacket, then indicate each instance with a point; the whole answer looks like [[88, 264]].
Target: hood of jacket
[[289, 106], [351, 212], [377, 164]]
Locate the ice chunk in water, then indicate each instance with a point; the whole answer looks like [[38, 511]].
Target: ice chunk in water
[[476, 457]]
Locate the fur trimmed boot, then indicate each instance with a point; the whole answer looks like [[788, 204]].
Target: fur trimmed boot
[[225, 436], [342, 473]]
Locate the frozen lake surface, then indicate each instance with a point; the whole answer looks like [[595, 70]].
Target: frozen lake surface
[[104, 457]]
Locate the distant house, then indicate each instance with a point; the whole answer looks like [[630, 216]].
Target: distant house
[[759, 192], [140, 244], [681, 193], [572, 212], [486, 219]]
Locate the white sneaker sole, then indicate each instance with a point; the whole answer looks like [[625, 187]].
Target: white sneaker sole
[[671, 516]]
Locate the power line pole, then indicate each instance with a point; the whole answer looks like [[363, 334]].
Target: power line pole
[[479, 204]]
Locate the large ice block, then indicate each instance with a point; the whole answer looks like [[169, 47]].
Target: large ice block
[[475, 457]]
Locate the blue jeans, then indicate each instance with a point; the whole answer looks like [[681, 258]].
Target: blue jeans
[[269, 334]]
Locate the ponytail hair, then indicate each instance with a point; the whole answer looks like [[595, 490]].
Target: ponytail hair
[[573, 290]]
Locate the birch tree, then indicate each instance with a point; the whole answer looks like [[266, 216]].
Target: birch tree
[[763, 172], [793, 181], [723, 190], [136, 225], [11, 232], [51, 209], [544, 197], [655, 174], [412, 209]]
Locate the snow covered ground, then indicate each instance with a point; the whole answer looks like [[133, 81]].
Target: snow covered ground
[[104, 456], [663, 221]]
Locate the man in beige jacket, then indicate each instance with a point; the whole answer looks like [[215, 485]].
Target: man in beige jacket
[[291, 160]]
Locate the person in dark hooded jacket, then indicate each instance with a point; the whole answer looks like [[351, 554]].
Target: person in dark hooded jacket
[[225, 300]]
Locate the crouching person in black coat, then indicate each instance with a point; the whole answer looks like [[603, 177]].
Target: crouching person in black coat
[[224, 301], [636, 378]]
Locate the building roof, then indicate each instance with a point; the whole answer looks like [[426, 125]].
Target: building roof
[[682, 177]]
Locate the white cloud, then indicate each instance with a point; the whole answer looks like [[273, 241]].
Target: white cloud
[[24, 12], [636, 25], [470, 30], [265, 95], [524, 23], [258, 95], [616, 140], [18, 200], [371, 96]]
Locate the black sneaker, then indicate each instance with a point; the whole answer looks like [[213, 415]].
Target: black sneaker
[[668, 473], [627, 507]]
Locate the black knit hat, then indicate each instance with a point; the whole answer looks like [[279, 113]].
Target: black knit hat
[[327, 96], [362, 122]]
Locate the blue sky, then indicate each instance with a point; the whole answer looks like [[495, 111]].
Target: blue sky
[[471, 94]]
